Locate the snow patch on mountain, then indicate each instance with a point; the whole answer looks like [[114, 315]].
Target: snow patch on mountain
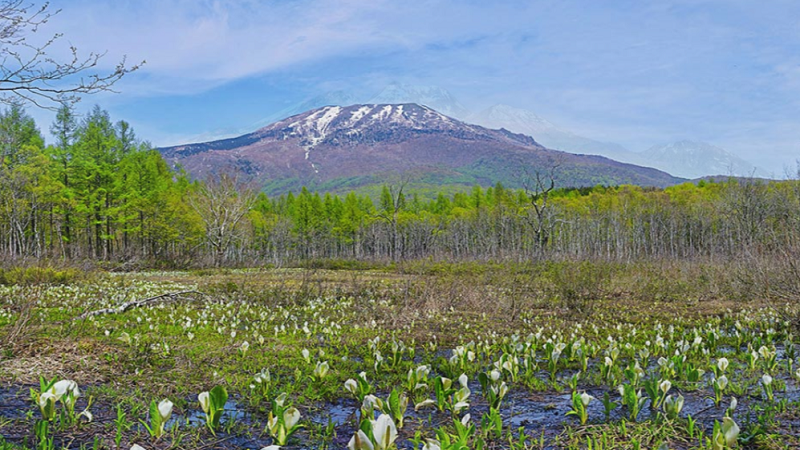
[[356, 115], [431, 96], [439, 107], [333, 98], [314, 127]]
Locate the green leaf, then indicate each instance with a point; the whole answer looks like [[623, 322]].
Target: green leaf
[[155, 418]]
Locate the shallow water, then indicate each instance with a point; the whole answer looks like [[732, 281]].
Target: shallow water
[[536, 412]]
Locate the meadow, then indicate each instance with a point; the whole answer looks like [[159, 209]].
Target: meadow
[[594, 355]]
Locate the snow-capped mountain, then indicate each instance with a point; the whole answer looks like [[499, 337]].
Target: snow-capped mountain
[[364, 120], [690, 159], [332, 98], [431, 96], [348, 146]]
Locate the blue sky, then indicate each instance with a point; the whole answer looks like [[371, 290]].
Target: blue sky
[[638, 73]]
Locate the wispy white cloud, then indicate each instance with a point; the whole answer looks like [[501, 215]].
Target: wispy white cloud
[[629, 71], [197, 45]]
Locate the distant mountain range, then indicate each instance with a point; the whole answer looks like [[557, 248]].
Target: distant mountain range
[[528, 123], [338, 148], [695, 160], [686, 159]]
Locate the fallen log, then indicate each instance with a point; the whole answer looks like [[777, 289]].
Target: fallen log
[[168, 297]]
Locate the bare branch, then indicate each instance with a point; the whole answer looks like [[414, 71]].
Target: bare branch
[[538, 183], [28, 74]]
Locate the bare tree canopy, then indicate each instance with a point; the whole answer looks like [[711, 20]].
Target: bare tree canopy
[[222, 202], [29, 74]]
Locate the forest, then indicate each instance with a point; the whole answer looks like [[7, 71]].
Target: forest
[[146, 307], [101, 193], [140, 308]]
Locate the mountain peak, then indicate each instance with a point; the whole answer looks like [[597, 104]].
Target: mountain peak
[[346, 146], [359, 116], [337, 125], [432, 96]]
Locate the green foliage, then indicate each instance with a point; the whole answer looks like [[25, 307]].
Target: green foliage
[[159, 415], [39, 275], [283, 420], [213, 405], [580, 403], [100, 193]]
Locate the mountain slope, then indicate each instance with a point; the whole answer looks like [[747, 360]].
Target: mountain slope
[[691, 159], [529, 123], [338, 148], [687, 159]]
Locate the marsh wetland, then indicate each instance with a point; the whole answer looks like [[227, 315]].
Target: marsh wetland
[[417, 356]]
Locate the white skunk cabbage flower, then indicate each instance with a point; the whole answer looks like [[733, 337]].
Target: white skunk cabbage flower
[[384, 431], [674, 404], [65, 387], [165, 409], [665, 386], [125, 338], [722, 364], [370, 402], [731, 407], [424, 403], [730, 430], [290, 417], [360, 441], [321, 370], [432, 444], [351, 386], [205, 401], [45, 398], [47, 405], [586, 398]]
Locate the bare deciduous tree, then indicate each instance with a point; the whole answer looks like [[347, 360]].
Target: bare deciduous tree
[[27, 71], [538, 184], [222, 202]]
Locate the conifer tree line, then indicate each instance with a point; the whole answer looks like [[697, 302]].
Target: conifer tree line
[[98, 192]]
